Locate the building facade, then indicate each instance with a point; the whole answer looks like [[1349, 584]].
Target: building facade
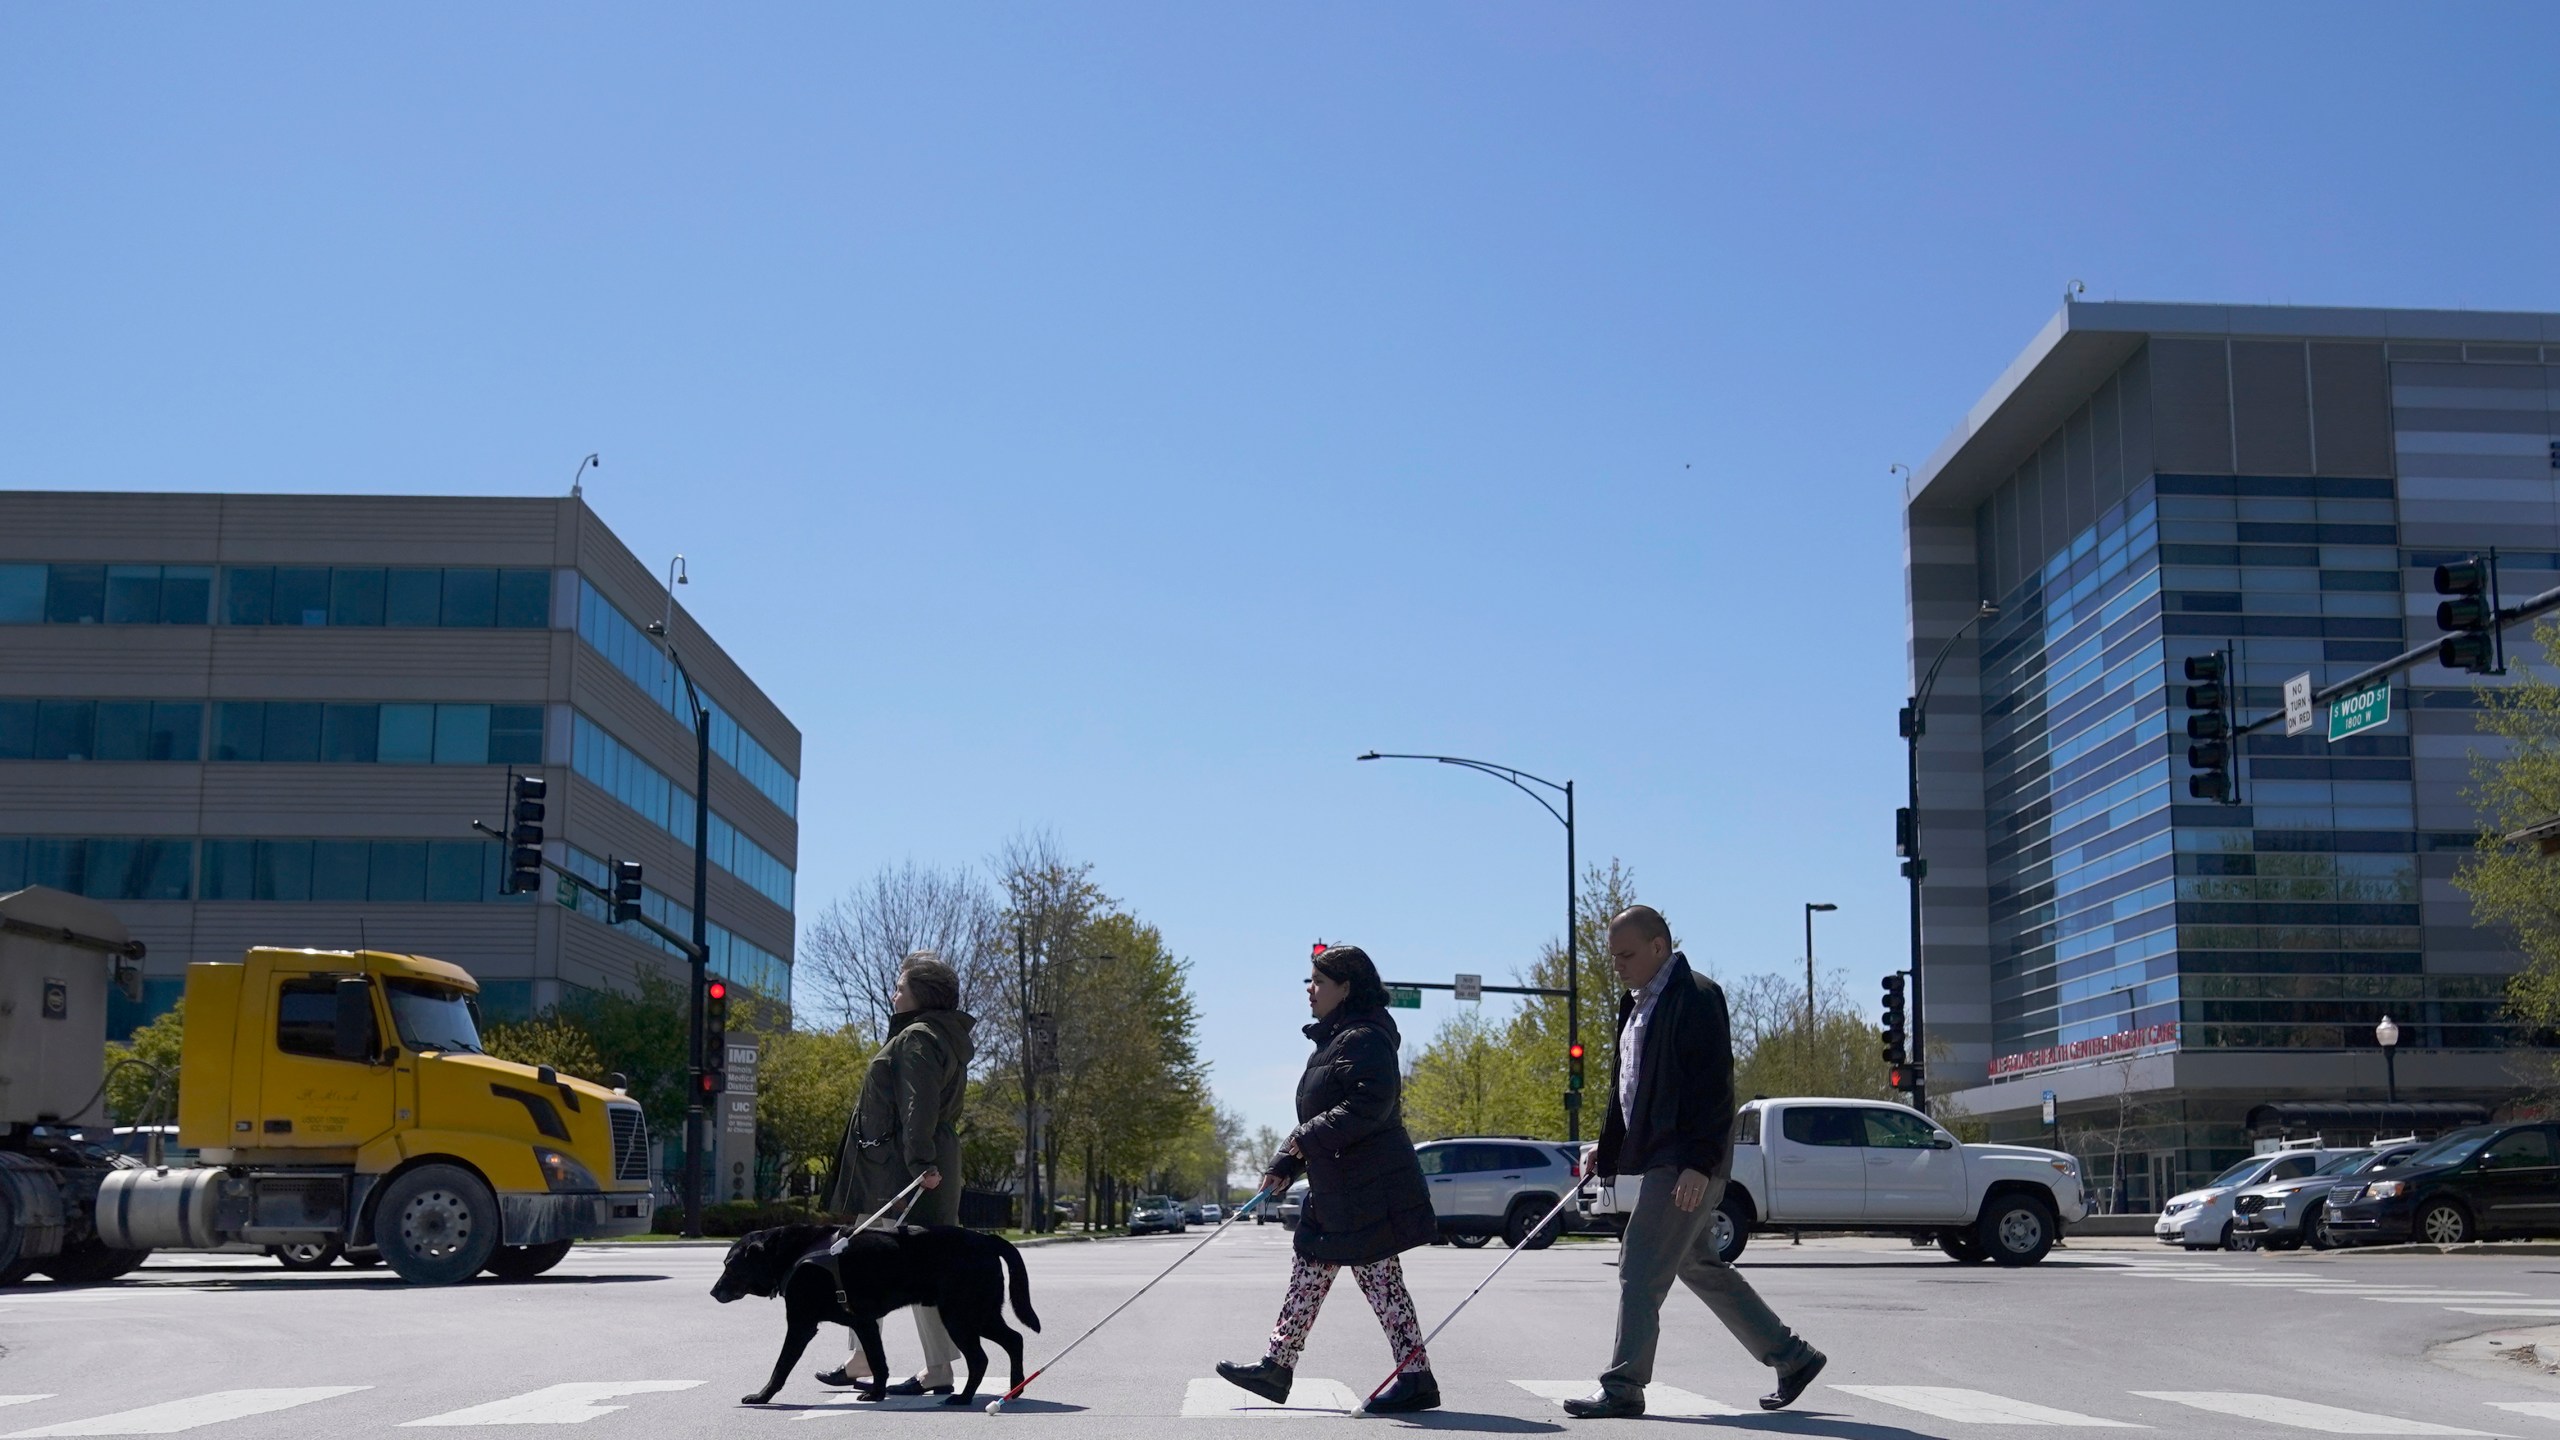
[[271, 719], [2152, 482]]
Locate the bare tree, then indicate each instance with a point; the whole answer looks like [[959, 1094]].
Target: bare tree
[[851, 955]]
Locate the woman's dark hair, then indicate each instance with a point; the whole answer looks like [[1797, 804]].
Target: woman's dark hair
[[1350, 965], [931, 982]]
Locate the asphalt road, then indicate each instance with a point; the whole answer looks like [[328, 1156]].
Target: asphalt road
[[625, 1340]]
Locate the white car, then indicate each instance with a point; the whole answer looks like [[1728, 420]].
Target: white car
[[2201, 1219]]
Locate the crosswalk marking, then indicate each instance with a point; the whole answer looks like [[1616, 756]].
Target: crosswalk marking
[[1215, 1399], [1662, 1401], [22, 1399], [171, 1416], [2442, 1296], [1978, 1407], [2504, 1309], [2538, 1409], [567, 1404], [2302, 1414]]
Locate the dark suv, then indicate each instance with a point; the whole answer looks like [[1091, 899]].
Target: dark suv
[[1502, 1186], [2484, 1181]]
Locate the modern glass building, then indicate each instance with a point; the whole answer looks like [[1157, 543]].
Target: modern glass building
[[2151, 482], [270, 720]]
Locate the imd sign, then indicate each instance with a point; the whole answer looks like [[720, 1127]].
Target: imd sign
[[2360, 710]]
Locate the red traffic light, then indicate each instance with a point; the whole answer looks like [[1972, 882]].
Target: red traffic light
[[1574, 1051], [1320, 948], [719, 990]]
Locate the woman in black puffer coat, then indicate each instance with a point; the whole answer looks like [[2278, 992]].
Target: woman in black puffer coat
[[1366, 1201]]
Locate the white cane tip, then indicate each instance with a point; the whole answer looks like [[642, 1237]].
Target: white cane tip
[[995, 1407]]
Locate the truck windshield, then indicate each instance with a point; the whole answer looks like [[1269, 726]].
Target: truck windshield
[[433, 1017]]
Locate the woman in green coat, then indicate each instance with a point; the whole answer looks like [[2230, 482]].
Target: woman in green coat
[[906, 1127]]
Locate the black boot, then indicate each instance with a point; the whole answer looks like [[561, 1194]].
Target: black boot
[[1411, 1391], [1266, 1378]]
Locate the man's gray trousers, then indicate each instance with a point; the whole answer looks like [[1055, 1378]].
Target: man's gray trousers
[[1664, 1244]]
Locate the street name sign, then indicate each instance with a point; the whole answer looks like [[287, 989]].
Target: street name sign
[[2360, 710], [1470, 987], [1403, 997], [2297, 704]]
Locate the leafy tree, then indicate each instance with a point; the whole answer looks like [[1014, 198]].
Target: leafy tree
[[1776, 1054], [1473, 1080], [642, 1036], [546, 1039], [129, 1090], [806, 1084], [2517, 785]]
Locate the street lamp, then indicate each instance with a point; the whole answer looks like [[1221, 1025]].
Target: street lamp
[[697, 1129], [1915, 723], [1809, 907], [2387, 1035], [1572, 950]]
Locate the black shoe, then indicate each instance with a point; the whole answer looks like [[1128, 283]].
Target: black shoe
[[1601, 1405], [1265, 1378], [842, 1376], [1793, 1383], [1410, 1391], [913, 1386]]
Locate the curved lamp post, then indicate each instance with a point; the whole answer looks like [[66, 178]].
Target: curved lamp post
[[1572, 950], [1915, 723]]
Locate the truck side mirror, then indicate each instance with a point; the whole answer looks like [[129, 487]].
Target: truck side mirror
[[1941, 1142], [354, 1035]]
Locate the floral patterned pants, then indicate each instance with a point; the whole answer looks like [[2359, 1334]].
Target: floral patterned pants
[[1382, 1282]]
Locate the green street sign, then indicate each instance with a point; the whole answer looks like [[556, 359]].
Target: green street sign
[[566, 892], [1404, 997], [2360, 710]]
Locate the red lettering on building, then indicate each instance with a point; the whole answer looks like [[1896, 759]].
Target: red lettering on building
[[2096, 1048]]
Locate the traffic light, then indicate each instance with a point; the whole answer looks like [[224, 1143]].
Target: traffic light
[[1906, 841], [1320, 948], [1894, 1037], [715, 1035], [1573, 1066], [524, 834], [2470, 618], [626, 890], [1904, 1079], [2209, 729]]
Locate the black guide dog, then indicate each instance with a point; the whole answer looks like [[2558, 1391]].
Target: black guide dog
[[960, 1273]]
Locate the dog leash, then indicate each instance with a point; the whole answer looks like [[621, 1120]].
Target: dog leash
[[835, 1252]]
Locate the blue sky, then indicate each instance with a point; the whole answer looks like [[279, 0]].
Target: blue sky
[[1116, 418]]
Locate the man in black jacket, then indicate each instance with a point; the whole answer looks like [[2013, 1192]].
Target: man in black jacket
[[1671, 1121]]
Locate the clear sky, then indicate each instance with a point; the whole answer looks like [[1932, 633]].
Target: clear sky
[[1114, 418]]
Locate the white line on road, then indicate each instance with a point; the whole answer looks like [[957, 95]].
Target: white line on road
[[1660, 1401], [2302, 1414], [1978, 1407], [171, 1416], [2538, 1409], [2439, 1297], [2504, 1309], [566, 1404], [23, 1399], [1215, 1399]]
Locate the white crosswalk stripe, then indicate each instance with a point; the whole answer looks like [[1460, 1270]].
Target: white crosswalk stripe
[[2302, 1414], [2538, 1409], [567, 1404], [1978, 1407], [1215, 1399], [1660, 1401], [2442, 1297], [172, 1416]]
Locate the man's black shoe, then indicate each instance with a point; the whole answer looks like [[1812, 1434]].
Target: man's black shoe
[[1414, 1390], [1793, 1383], [1601, 1405], [1263, 1378]]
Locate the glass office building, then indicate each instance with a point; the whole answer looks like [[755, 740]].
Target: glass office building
[[2154, 482], [270, 720]]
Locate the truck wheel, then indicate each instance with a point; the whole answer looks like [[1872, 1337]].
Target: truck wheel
[[1732, 1228], [436, 1225], [90, 1263], [2015, 1229], [523, 1262], [1961, 1247], [362, 1257], [1516, 1231]]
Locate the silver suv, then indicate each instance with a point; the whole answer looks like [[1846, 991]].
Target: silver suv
[[1502, 1185]]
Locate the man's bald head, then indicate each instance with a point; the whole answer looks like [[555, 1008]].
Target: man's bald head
[[1639, 945], [1646, 921]]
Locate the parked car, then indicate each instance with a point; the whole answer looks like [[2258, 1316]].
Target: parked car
[[1292, 1201], [2201, 1219], [2476, 1183], [1203, 1213], [1157, 1215], [1815, 1163], [1484, 1186], [2283, 1215]]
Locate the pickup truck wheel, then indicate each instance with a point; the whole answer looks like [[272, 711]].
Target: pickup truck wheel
[[1732, 1229], [436, 1225], [1471, 1242], [1961, 1247], [523, 1262], [2015, 1229], [1517, 1226], [306, 1255]]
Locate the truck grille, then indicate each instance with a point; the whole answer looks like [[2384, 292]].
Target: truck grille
[[630, 1143]]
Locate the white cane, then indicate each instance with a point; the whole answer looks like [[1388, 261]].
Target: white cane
[[1407, 1358]]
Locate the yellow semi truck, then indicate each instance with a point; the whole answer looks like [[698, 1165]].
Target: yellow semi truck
[[334, 1096]]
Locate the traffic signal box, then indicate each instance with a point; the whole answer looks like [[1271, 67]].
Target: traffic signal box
[[715, 1035], [1573, 1066], [2210, 731], [2470, 618], [626, 890], [1894, 1036], [524, 834]]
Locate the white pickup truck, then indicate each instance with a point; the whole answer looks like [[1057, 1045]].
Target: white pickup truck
[[1878, 1168]]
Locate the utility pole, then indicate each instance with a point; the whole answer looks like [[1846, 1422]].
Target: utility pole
[[1030, 1088]]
